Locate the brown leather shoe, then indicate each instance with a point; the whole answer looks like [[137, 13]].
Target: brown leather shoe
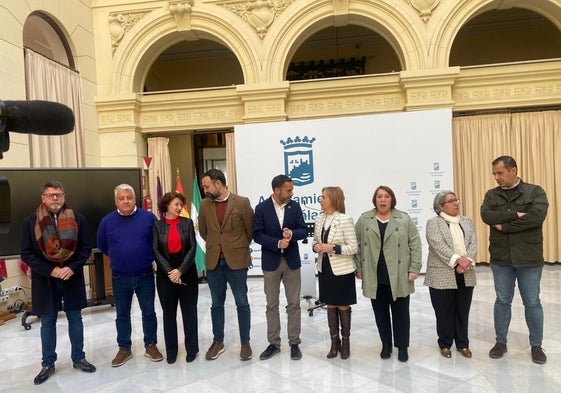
[[215, 350], [245, 351], [446, 352], [498, 350], [153, 353], [122, 356], [465, 352]]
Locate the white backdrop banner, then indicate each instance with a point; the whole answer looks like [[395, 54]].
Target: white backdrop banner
[[411, 152]]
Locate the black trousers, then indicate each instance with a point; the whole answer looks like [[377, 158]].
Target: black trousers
[[451, 307], [399, 316], [186, 296]]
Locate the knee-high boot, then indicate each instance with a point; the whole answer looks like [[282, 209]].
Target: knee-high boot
[[333, 322], [345, 317]]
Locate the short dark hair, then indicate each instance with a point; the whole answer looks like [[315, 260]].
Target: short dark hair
[[166, 199], [279, 180], [507, 161], [389, 191], [216, 174], [53, 184]]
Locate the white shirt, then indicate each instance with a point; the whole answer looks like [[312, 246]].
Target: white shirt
[[280, 211]]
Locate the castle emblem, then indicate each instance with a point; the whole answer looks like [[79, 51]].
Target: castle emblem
[[299, 160]]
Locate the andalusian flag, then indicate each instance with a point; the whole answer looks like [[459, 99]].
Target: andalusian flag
[[179, 189], [195, 206]]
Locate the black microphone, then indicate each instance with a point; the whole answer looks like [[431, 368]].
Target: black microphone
[[36, 117]]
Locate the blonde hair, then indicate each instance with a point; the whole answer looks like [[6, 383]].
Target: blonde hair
[[337, 197]]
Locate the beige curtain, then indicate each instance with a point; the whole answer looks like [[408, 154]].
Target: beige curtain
[[534, 140], [161, 166], [231, 162], [50, 81]]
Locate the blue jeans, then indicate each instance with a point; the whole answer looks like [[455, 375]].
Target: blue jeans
[[124, 287], [75, 332], [237, 279], [49, 335], [528, 279]]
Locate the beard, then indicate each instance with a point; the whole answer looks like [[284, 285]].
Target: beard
[[213, 195]]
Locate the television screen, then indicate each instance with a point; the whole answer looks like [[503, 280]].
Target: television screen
[[88, 190]]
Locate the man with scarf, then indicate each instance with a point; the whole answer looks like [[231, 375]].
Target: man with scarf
[[55, 243]]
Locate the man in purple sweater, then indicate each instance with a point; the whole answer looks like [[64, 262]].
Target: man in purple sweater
[[125, 236]]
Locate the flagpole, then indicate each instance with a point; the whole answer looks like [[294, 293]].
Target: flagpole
[[201, 246]]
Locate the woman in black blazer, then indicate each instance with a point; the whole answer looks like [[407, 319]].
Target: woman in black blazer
[[174, 245]]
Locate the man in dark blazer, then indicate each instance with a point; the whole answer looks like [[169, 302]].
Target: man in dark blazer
[[225, 223], [55, 244], [278, 224]]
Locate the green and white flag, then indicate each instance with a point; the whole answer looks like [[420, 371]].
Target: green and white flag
[[195, 206]]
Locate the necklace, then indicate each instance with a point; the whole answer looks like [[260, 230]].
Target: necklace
[[328, 220]]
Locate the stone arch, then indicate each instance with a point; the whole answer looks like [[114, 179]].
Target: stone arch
[[398, 24], [159, 30], [58, 44], [459, 13]]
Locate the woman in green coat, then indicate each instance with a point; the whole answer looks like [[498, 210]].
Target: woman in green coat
[[388, 262]]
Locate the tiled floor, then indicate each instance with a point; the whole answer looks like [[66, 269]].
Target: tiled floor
[[426, 371]]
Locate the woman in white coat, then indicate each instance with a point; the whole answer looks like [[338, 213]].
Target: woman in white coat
[[335, 242]]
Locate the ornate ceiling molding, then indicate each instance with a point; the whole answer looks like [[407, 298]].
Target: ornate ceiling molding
[[260, 14], [181, 11], [120, 23], [424, 7]]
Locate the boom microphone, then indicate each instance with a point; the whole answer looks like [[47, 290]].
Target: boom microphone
[[36, 117]]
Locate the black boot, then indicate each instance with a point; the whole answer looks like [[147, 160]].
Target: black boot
[[333, 322], [402, 355], [345, 318], [386, 350]]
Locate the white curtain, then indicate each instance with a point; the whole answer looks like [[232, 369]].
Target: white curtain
[[50, 81], [161, 166], [231, 162]]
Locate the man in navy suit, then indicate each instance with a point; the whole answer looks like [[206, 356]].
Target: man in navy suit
[[278, 224]]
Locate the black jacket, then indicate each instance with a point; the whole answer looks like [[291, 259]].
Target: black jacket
[[42, 284], [160, 232]]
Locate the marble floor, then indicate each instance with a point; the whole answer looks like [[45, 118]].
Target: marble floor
[[364, 371]]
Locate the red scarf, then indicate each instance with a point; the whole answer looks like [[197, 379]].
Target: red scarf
[[57, 243]]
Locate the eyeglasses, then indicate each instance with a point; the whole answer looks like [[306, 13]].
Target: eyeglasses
[[453, 201], [53, 196]]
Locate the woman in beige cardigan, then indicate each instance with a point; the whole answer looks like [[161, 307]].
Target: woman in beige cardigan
[[335, 242], [450, 272]]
